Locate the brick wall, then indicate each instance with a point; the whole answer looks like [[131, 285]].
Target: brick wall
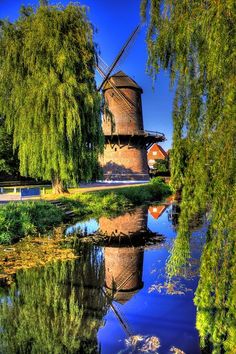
[[129, 223], [124, 161], [127, 118], [123, 268]]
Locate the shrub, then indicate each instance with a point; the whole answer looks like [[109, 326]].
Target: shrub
[[97, 203], [161, 165], [159, 188], [20, 219]]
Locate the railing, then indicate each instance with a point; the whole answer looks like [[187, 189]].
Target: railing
[[135, 132], [17, 188], [154, 133]]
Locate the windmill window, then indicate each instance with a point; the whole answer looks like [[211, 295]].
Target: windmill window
[[115, 149]]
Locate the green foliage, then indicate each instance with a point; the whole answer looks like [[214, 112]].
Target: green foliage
[[137, 195], [159, 188], [48, 94], [98, 203], [216, 294], [55, 309], [9, 163], [155, 190], [29, 218], [161, 165], [196, 41]]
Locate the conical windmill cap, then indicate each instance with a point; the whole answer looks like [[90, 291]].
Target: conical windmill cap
[[121, 80]]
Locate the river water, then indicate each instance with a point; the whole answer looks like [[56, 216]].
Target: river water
[[115, 298]]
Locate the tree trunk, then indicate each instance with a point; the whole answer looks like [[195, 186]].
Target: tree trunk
[[58, 187], [178, 195]]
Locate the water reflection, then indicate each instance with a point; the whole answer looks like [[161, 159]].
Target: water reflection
[[55, 309], [102, 301], [156, 210], [123, 272], [129, 224], [83, 227], [129, 229], [124, 264]]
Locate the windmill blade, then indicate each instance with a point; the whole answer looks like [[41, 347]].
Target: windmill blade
[[103, 65], [126, 45]]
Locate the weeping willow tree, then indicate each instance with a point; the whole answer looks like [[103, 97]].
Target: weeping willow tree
[[196, 42], [55, 309], [48, 95]]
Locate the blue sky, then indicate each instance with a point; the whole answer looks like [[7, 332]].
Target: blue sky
[[114, 21]]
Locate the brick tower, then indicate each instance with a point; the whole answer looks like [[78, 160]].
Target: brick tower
[[123, 271], [126, 141], [124, 265], [124, 239]]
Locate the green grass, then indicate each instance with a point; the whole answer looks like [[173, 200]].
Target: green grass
[[113, 201], [96, 203]]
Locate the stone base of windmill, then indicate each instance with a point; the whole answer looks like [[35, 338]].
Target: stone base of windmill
[[124, 163]]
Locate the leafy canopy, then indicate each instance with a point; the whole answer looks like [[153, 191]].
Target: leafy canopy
[[196, 42], [47, 92]]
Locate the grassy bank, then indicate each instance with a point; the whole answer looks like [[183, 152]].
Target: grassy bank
[[31, 218], [114, 201]]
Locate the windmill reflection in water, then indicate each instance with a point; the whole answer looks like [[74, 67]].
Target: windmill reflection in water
[[124, 239]]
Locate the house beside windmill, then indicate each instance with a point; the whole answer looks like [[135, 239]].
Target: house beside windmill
[[126, 141], [155, 152]]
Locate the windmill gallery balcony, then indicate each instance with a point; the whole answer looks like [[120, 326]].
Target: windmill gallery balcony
[[147, 137]]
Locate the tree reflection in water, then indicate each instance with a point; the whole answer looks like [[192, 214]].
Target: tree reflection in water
[[55, 309], [60, 308], [215, 297]]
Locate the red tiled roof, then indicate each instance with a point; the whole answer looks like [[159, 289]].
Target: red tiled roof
[[160, 148]]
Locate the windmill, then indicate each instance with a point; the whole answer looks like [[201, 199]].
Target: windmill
[[126, 141]]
